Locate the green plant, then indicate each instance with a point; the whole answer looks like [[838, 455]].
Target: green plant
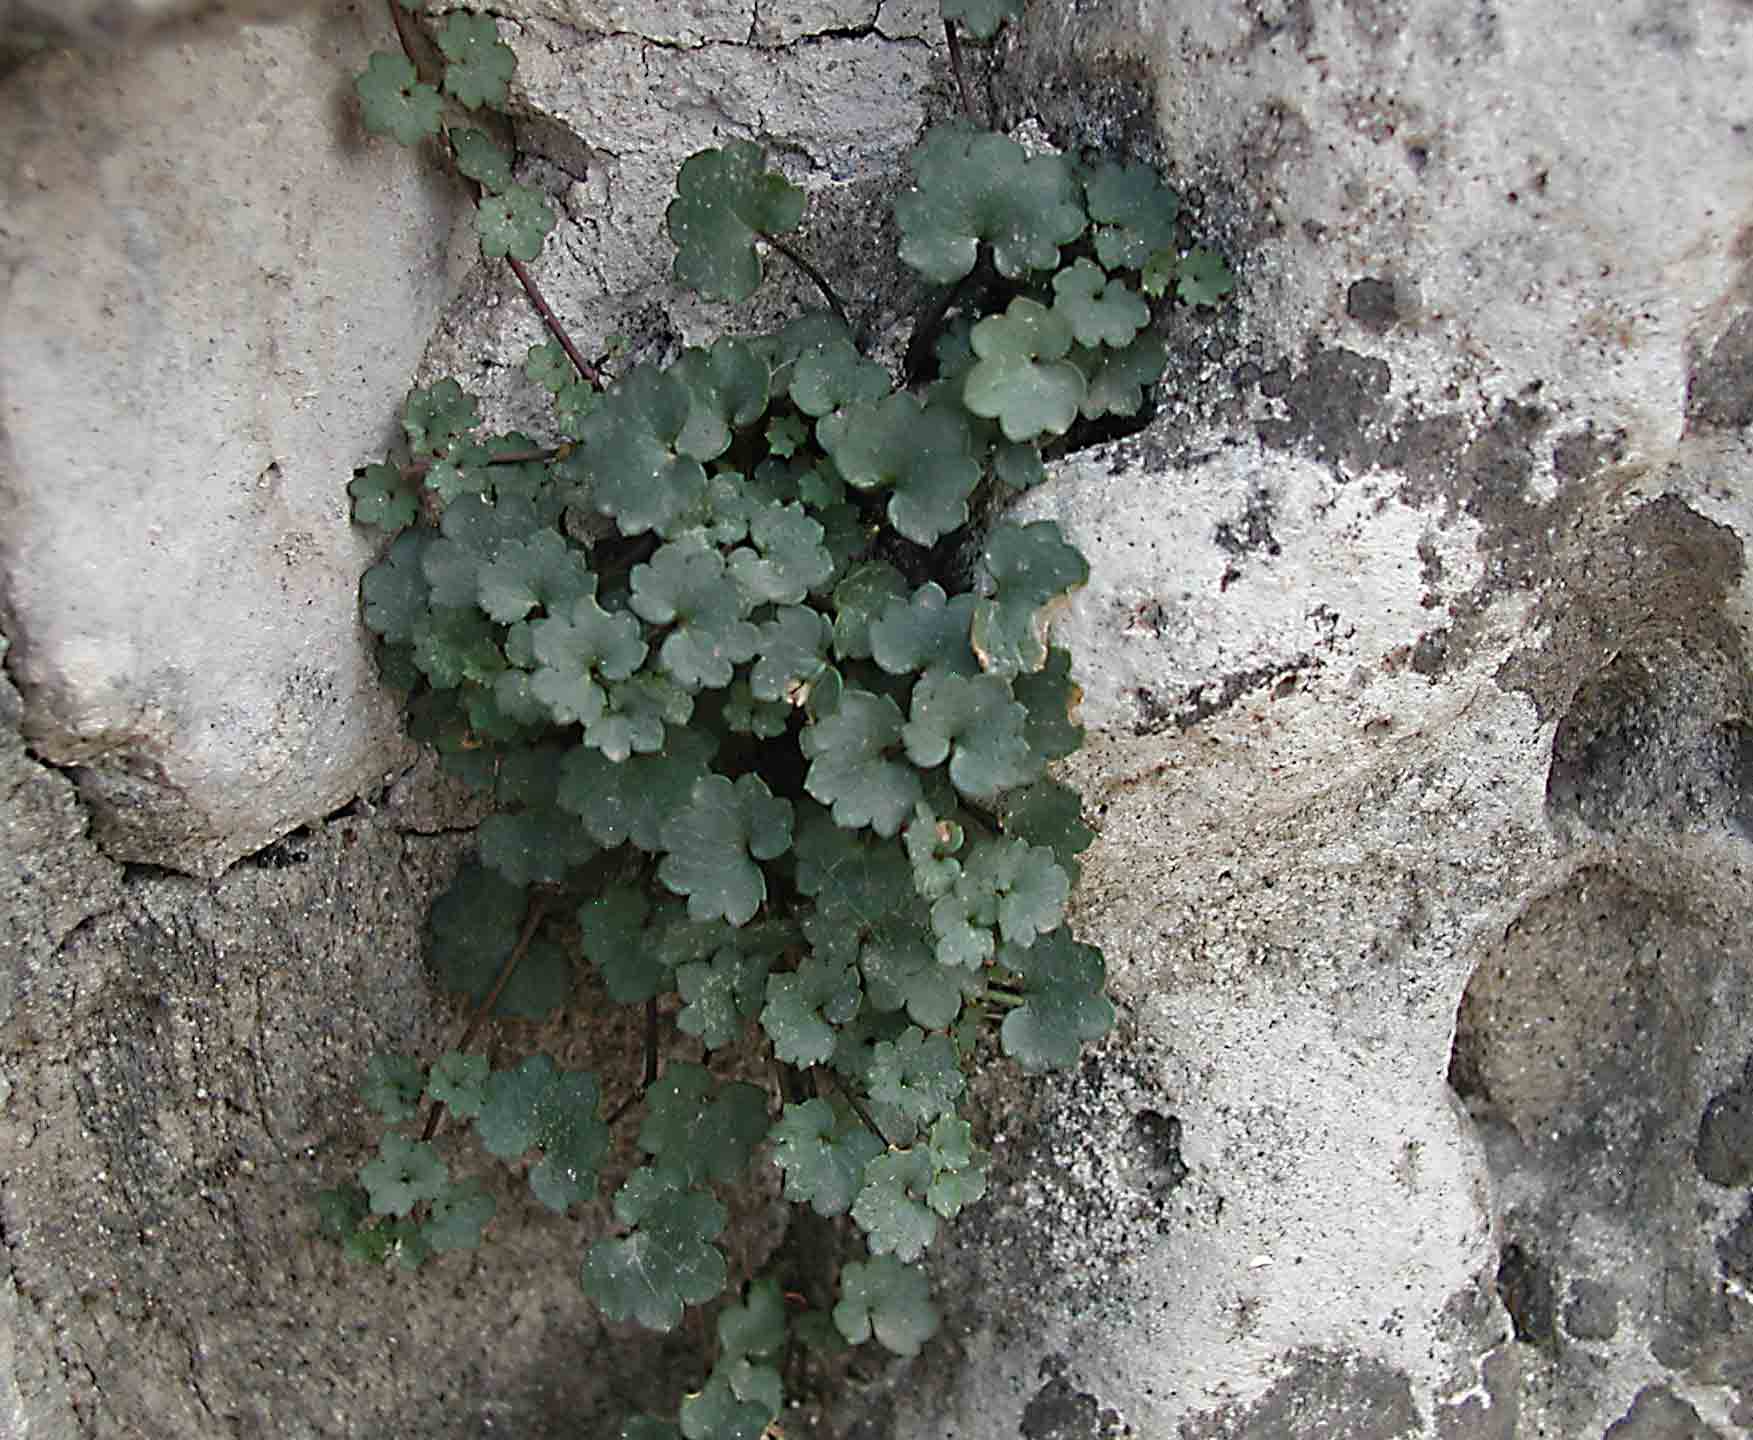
[[766, 754]]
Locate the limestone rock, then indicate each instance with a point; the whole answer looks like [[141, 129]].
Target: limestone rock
[[216, 292]]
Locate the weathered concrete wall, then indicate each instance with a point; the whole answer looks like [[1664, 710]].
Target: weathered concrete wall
[[1415, 662]]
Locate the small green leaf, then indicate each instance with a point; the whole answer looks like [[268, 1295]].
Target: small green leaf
[[458, 1083], [476, 531], [891, 1208], [699, 1130], [977, 726], [481, 64], [788, 559], [1115, 380], [473, 925], [720, 995], [901, 970], [483, 162], [393, 1087], [514, 222], [538, 1105], [916, 1074], [393, 102], [930, 844], [537, 846], [616, 941], [786, 434], [404, 1173], [1099, 311], [973, 187], [549, 365], [725, 200], [542, 571], [1062, 982], [1018, 464], [835, 376], [885, 1298], [639, 709], [1201, 278], [458, 1217], [922, 454], [755, 1326], [1050, 814], [793, 651], [1023, 379], [715, 1412], [438, 415], [729, 389], [684, 585], [667, 1263], [853, 764], [960, 1167], [341, 1211], [1051, 697], [803, 1007], [632, 799], [823, 1155], [714, 843], [380, 498], [1024, 567], [927, 632], [859, 601], [1134, 213], [578, 651], [981, 18]]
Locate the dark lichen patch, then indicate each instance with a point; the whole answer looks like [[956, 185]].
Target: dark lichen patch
[[1153, 1144], [1735, 1249], [1657, 1413], [1578, 454], [1250, 532], [1719, 390], [1373, 304], [1592, 1312], [1198, 703], [1524, 1284], [1060, 1411], [1334, 408], [1323, 1395], [1661, 576], [1724, 1153]]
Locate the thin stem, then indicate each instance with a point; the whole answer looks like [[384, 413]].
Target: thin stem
[[417, 470], [532, 919], [650, 1064], [949, 30], [858, 1106], [590, 374], [803, 264], [1003, 997]]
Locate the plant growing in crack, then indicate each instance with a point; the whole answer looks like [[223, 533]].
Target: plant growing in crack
[[759, 762]]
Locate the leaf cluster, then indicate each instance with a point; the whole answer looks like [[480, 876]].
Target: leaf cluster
[[753, 769]]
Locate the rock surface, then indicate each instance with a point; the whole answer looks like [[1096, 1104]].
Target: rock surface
[[1415, 663], [215, 293]]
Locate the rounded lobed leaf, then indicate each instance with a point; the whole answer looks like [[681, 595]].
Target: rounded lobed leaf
[[885, 1298], [393, 102], [1022, 379], [853, 766], [481, 64], [823, 1154], [1098, 310], [1024, 567], [725, 200], [713, 845], [973, 187], [1134, 213], [977, 726]]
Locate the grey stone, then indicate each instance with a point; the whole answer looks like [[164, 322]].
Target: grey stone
[[1724, 1154], [1659, 1414], [1592, 1313], [1321, 1397], [190, 376]]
